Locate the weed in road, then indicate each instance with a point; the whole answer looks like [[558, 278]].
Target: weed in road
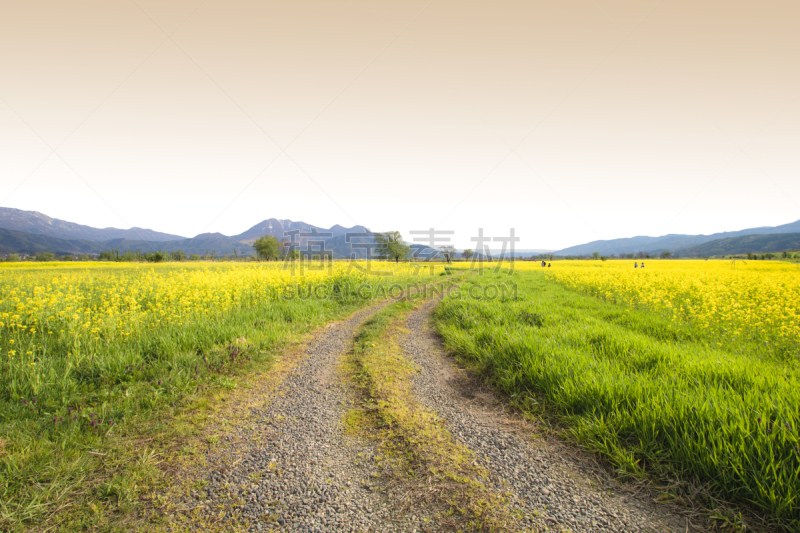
[[421, 453]]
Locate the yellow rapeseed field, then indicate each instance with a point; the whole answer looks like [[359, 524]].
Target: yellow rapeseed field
[[756, 300], [81, 307]]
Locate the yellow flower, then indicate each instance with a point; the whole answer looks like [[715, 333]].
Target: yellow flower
[[121, 300], [756, 301]]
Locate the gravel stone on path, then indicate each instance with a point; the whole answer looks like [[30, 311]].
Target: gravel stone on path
[[554, 490], [294, 468]]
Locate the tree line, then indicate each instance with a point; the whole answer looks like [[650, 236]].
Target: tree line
[[387, 246]]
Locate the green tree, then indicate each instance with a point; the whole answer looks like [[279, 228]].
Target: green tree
[[467, 254], [666, 255], [267, 247], [194, 257], [448, 252], [177, 255], [46, 256], [12, 258], [67, 258], [391, 246], [292, 254], [106, 256], [596, 255], [156, 257], [84, 257]]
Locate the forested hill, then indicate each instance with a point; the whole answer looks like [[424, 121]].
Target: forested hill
[[20, 242], [671, 243], [40, 224], [746, 243], [31, 232]]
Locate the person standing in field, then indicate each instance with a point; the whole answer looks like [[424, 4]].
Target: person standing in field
[[642, 264], [636, 264]]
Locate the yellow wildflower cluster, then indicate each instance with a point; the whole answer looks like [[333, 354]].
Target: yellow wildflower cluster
[[759, 300], [83, 304]]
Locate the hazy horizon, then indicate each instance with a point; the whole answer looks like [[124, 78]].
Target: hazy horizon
[[410, 238], [568, 121]]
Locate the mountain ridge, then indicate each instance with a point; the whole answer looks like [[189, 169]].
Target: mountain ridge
[[80, 239], [42, 238], [277, 228], [775, 242], [671, 243], [36, 223], [12, 241]]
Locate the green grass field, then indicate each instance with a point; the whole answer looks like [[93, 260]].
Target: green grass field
[[627, 384]]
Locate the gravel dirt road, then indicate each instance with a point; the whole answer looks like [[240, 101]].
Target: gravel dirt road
[[293, 467]]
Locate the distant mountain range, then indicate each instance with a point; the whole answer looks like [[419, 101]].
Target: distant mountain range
[[30, 232], [12, 241], [683, 244], [746, 243], [39, 224]]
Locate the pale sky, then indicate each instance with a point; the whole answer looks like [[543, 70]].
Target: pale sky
[[570, 121]]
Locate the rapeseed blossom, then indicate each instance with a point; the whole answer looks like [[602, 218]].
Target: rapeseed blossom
[[80, 310], [759, 301]]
